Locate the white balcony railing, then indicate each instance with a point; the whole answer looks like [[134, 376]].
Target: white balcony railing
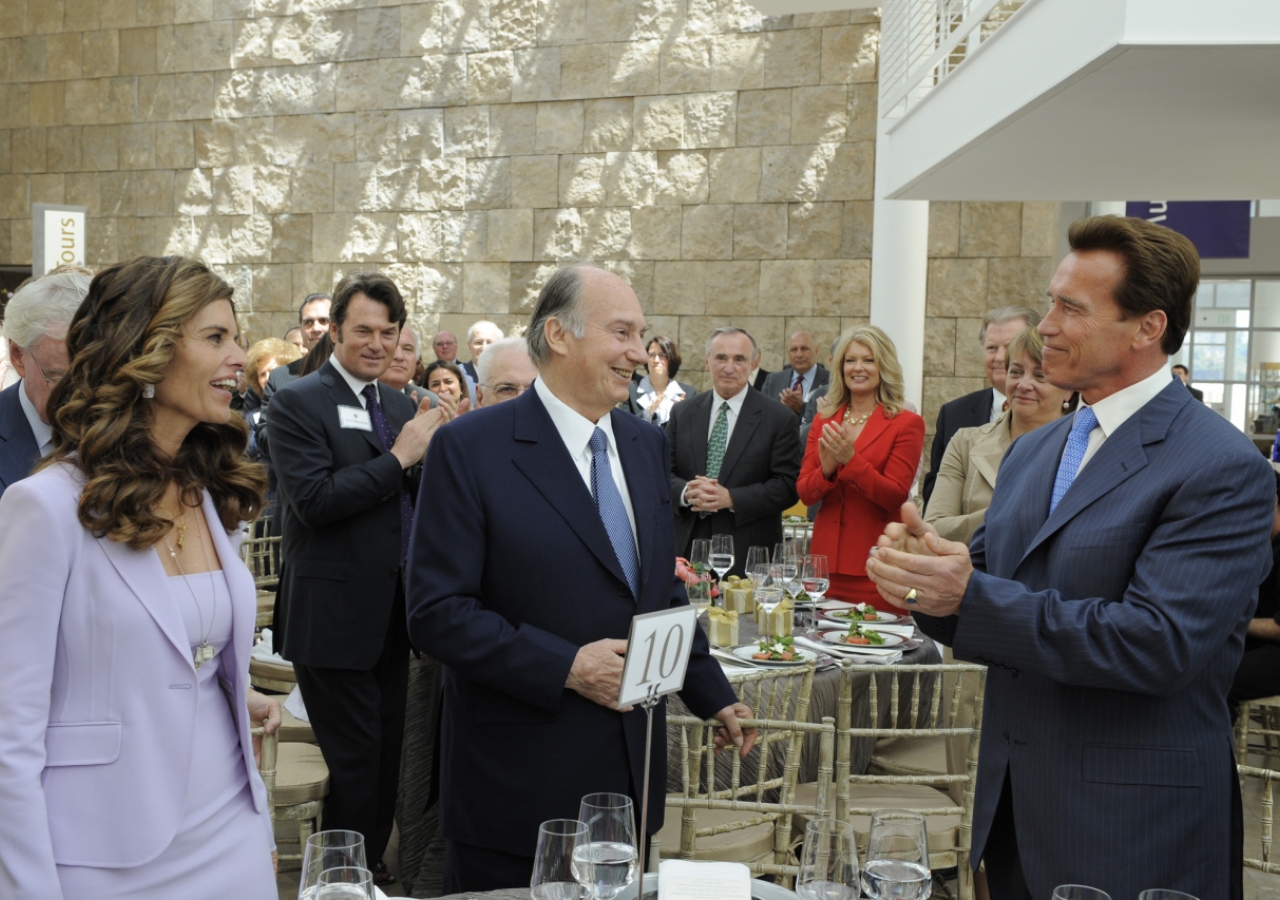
[[924, 41]]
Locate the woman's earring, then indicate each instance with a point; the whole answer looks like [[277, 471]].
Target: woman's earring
[[148, 391]]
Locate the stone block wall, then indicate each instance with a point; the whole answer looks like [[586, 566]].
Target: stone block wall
[[720, 160]]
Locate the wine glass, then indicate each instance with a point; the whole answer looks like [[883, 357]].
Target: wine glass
[[329, 850], [553, 877], [605, 863], [722, 554], [769, 592], [816, 578], [828, 862], [700, 563], [756, 556], [1161, 894], [1079, 892], [897, 866], [345, 883]]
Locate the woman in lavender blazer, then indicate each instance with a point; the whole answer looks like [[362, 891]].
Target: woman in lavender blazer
[[126, 617]]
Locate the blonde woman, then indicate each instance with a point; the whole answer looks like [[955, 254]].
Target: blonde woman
[[967, 475], [860, 460]]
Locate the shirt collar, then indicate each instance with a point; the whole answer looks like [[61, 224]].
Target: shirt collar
[[1113, 411], [42, 432], [356, 384], [575, 429], [735, 402]]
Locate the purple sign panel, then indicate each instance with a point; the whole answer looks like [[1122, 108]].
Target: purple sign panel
[[1218, 228]]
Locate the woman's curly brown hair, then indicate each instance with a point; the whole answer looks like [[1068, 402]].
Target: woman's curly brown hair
[[121, 340]]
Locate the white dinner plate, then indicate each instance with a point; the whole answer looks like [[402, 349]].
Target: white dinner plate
[[890, 640], [746, 652], [834, 615], [760, 890]]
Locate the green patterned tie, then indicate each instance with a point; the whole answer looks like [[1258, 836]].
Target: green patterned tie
[[719, 440]]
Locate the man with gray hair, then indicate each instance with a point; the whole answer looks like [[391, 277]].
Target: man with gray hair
[[506, 371], [35, 326], [567, 538], [735, 454], [999, 327], [480, 335]]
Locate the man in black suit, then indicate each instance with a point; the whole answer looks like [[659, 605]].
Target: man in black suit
[[1185, 377], [313, 321], [353, 450], [35, 325], [480, 335], [568, 536], [802, 378], [999, 327], [735, 454]]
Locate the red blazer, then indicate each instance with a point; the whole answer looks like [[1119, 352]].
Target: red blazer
[[867, 492]]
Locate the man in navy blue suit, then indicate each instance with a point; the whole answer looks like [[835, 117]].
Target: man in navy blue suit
[[569, 535], [1109, 593], [35, 326]]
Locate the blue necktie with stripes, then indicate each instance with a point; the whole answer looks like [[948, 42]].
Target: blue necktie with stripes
[[612, 511], [1077, 443], [383, 429]]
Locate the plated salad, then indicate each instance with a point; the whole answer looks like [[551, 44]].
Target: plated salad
[[862, 636], [861, 612], [776, 649]]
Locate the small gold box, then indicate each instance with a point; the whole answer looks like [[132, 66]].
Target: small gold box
[[722, 627]]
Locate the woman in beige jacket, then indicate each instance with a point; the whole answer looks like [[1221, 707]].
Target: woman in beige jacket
[[967, 474]]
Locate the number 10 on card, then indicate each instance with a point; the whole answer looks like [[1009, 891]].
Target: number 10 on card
[[657, 654]]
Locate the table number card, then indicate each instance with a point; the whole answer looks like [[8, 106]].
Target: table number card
[[657, 654]]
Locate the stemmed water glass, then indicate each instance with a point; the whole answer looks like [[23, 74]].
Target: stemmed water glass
[[605, 863], [816, 578], [769, 591], [756, 557], [1079, 892], [828, 862], [329, 850], [722, 554], [897, 866], [345, 883], [553, 875], [700, 563]]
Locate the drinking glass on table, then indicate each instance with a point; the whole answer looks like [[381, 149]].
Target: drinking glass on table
[[1079, 892], [345, 883], [700, 563], [329, 850], [553, 877], [605, 863], [1162, 894], [828, 862], [722, 554], [769, 592], [897, 865], [756, 556], [815, 578]]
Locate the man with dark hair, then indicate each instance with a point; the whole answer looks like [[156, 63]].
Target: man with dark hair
[[999, 326], [1185, 377], [1108, 594], [561, 485], [313, 323], [353, 448]]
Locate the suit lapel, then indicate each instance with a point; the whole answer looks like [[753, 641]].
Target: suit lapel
[[18, 450], [871, 432], [542, 458], [641, 503], [143, 572], [749, 418], [700, 421], [341, 394]]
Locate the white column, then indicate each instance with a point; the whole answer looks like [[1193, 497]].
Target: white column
[[899, 275]]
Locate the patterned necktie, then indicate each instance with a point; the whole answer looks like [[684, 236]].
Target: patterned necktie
[[1077, 443], [798, 383], [383, 429], [612, 511], [718, 441]]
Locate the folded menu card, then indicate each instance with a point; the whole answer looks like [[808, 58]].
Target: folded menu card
[[683, 879]]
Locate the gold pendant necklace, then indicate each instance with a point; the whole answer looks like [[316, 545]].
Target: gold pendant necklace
[[204, 651], [859, 420], [181, 527]]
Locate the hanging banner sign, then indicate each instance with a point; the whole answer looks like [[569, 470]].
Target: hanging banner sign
[[58, 237], [1218, 228]]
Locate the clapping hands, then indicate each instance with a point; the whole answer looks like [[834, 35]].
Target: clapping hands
[[916, 570]]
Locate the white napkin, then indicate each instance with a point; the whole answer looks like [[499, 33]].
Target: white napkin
[[296, 707], [886, 656], [262, 650]]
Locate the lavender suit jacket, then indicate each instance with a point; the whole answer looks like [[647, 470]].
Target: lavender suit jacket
[[97, 690]]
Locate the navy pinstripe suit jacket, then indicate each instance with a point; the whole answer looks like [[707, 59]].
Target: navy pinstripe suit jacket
[[1112, 629]]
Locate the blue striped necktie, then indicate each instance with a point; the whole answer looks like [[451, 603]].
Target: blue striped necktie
[[1077, 443], [383, 429], [613, 513]]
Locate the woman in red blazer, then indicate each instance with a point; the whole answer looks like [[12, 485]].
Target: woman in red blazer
[[860, 460]]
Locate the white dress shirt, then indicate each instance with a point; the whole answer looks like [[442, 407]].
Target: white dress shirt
[[575, 430], [356, 384], [1113, 411], [997, 404], [43, 433], [735, 408], [646, 393]]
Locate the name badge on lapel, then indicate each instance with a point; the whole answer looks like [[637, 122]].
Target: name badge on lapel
[[354, 417]]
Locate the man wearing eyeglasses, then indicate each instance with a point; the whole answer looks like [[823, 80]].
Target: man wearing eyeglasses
[[505, 371], [35, 326]]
